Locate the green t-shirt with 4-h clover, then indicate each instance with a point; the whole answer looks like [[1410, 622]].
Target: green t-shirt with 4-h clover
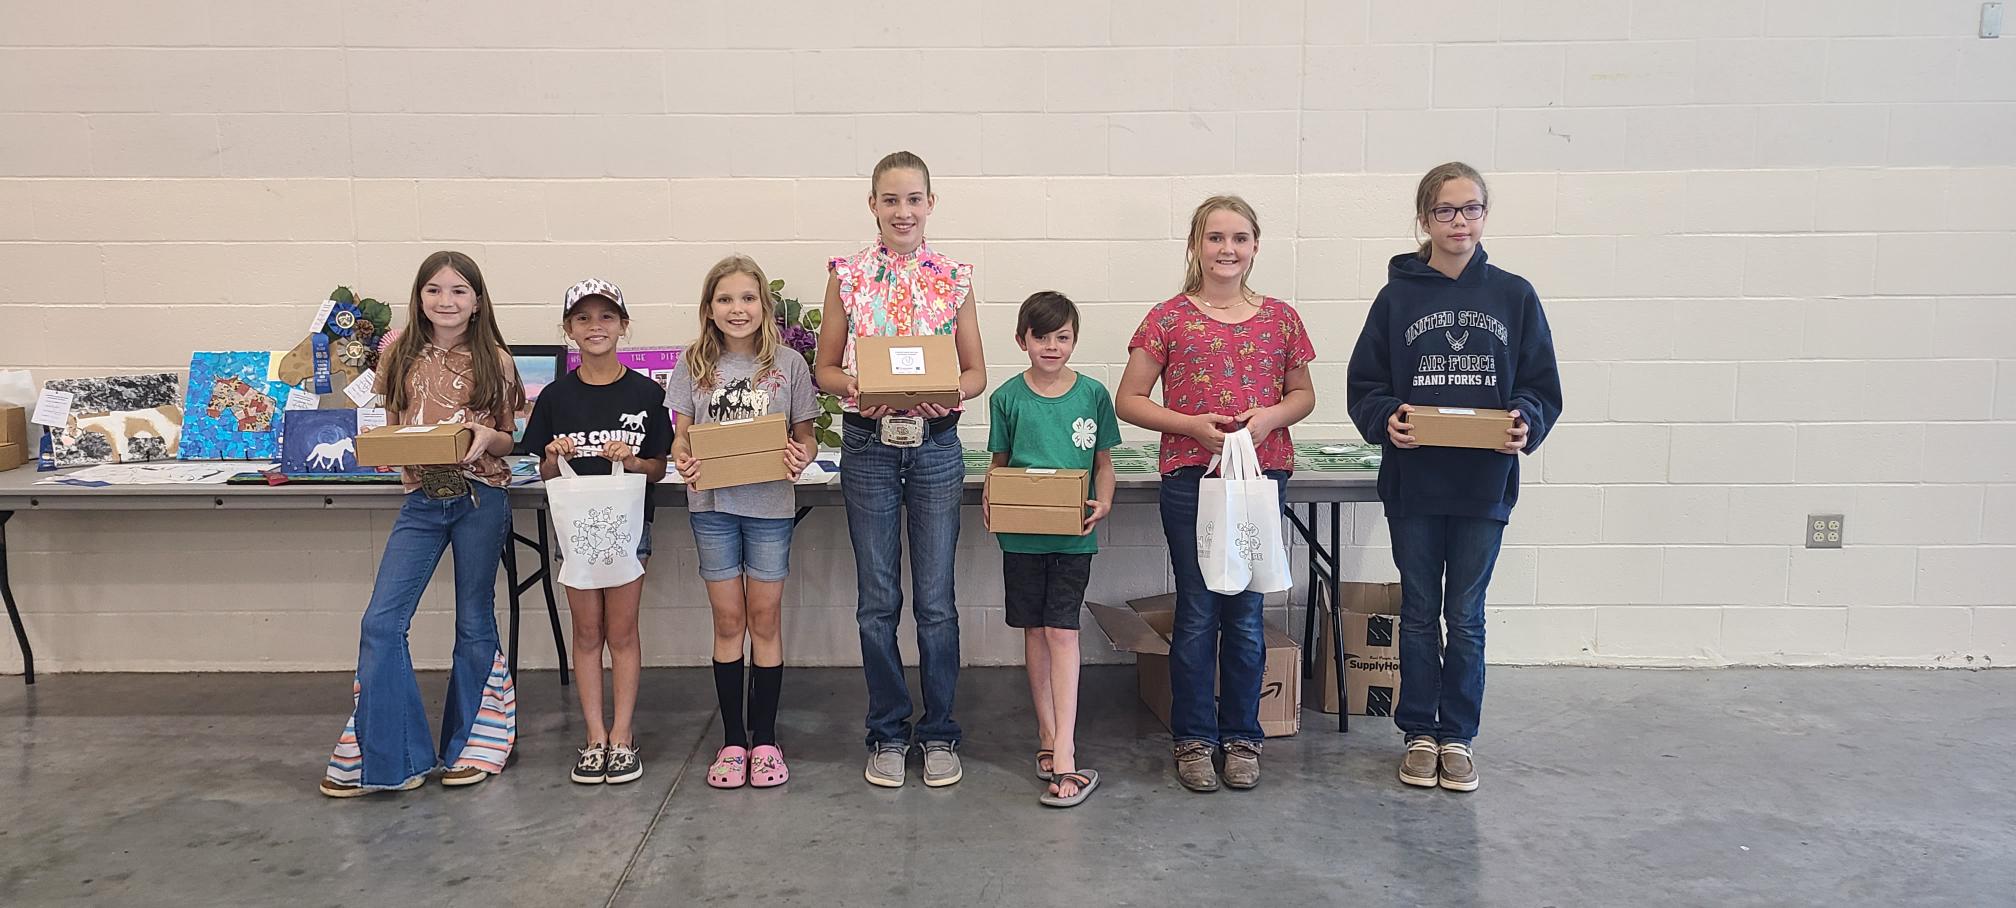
[[1061, 433]]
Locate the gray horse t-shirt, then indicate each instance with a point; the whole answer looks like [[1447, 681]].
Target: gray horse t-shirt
[[736, 392]]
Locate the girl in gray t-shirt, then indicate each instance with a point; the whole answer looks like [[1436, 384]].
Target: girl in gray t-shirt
[[739, 368]]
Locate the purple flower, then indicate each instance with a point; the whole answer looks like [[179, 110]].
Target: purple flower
[[800, 338]]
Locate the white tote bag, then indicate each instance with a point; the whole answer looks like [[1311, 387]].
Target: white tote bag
[[1239, 544], [596, 520]]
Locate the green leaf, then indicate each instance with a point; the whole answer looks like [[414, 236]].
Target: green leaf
[[812, 318], [791, 310], [829, 403], [777, 286], [342, 295], [829, 438]]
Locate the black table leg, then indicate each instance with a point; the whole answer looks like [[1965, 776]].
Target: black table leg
[[544, 577], [13, 611], [511, 577], [1337, 619]]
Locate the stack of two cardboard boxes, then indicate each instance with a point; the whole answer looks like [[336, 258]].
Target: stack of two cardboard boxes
[[1144, 629], [14, 447]]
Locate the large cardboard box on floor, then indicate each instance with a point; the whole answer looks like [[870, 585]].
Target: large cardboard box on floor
[[1460, 427], [1143, 628], [740, 452], [1371, 616], [906, 372], [414, 446], [1040, 501]]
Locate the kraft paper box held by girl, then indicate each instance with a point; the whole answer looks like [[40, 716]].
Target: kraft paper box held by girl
[[414, 446], [1460, 427], [741, 452]]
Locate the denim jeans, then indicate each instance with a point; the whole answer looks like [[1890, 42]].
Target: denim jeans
[[386, 742], [882, 485], [1445, 564], [1213, 630]]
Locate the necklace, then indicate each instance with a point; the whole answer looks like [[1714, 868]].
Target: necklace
[[1245, 299]]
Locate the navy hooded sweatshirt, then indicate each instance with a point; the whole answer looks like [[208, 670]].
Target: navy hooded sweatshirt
[[1480, 340]]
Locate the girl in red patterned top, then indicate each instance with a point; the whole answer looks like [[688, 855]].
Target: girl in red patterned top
[[1227, 358]]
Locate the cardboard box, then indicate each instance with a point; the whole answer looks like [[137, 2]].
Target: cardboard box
[[1460, 427], [414, 446], [906, 372], [1039, 501], [13, 425], [740, 452], [1371, 614], [1143, 629], [12, 455]]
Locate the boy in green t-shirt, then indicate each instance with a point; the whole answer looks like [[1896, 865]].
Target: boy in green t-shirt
[[1052, 417]]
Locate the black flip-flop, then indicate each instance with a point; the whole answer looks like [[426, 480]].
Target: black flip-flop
[[1085, 779]]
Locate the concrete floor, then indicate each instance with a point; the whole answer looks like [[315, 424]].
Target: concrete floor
[[1601, 787]]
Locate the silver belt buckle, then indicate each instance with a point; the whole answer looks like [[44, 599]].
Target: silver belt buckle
[[902, 431]]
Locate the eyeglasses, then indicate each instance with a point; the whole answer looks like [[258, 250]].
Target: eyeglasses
[[1447, 213]]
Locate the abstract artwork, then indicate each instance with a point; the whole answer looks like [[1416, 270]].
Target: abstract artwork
[[118, 419], [319, 442], [233, 408]]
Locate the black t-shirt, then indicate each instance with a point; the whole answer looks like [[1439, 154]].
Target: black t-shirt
[[630, 409]]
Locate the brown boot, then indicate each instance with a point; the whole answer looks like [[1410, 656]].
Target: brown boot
[[1242, 764], [1419, 767], [1193, 766]]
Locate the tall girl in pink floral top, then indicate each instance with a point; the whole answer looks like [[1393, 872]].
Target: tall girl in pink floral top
[[903, 465], [1227, 358]]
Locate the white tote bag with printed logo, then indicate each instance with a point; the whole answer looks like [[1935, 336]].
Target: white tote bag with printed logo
[[1239, 545], [596, 520]]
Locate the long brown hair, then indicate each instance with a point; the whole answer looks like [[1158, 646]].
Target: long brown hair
[[493, 392], [1193, 270], [1431, 186], [705, 354]]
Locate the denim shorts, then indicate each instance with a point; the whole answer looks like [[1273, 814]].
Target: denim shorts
[[732, 546]]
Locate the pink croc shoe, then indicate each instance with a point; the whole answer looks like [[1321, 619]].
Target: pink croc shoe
[[730, 769], [766, 767]]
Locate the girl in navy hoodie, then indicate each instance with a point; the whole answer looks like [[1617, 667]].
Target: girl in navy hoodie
[[1449, 330]]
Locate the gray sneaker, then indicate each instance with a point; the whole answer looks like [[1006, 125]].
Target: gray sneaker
[[885, 764], [1418, 768], [1242, 764], [941, 764], [1459, 772], [1193, 766]]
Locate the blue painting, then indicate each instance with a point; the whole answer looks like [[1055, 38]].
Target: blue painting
[[233, 406], [319, 442]]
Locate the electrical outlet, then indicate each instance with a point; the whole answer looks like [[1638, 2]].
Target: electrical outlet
[[1823, 531], [1991, 20]]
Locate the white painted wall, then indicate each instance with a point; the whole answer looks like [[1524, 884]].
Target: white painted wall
[[1772, 237]]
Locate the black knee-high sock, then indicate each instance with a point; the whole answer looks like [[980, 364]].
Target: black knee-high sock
[[728, 689], [766, 682]]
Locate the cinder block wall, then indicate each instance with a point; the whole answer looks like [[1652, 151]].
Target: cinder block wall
[[1771, 236]]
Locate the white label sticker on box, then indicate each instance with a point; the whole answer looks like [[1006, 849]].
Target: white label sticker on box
[[52, 408], [1455, 411], [298, 399], [1039, 471], [736, 422], [360, 390], [906, 360], [412, 429], [321, 316], [370, 418]]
